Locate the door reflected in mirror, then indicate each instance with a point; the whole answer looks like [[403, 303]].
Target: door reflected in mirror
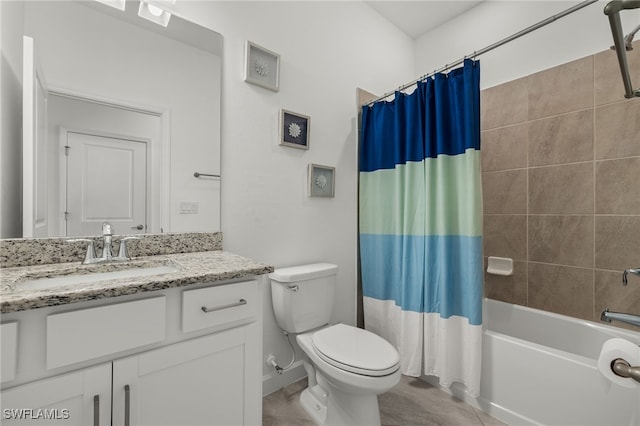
[[129, 110]]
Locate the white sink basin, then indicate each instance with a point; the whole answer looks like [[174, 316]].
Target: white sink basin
[[84, 278]]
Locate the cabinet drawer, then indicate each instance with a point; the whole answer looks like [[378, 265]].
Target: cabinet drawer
[[9, 347], [220, 306], [91, 333]]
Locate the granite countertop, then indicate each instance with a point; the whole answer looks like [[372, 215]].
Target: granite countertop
[[191, 268]]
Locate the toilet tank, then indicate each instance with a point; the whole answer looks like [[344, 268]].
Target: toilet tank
[[302, 296]]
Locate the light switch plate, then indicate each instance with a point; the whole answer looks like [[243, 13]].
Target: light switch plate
[[189, 207]]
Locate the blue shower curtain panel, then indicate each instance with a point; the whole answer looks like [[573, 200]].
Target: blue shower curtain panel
[[421, 226]]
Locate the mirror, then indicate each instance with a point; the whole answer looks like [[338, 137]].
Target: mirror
[[132, 113]]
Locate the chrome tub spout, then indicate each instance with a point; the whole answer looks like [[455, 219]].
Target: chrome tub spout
[[609, 316]]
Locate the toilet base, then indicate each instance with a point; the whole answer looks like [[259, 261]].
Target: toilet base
[[341, 408], [313, 406]]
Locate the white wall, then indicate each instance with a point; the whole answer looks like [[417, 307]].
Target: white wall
[[327, 50], [579, 34], [11, 27]]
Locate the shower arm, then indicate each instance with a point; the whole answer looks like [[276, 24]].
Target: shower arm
[[612, 10]]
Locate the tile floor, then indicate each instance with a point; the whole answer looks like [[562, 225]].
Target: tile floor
[[412, 402]]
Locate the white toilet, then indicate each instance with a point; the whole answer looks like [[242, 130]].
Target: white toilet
[[348, 366]]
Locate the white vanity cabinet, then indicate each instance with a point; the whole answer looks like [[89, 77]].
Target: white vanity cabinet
[[205, 371], [204, 381], [82, 397]]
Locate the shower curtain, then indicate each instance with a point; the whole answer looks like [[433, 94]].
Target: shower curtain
[[421, 226]]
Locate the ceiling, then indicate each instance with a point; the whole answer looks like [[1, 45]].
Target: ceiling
[[415, 18]]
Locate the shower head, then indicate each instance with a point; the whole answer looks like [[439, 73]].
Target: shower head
[[622, 43]]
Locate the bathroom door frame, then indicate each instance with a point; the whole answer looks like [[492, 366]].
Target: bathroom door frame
[[159, 159], [35, 200]]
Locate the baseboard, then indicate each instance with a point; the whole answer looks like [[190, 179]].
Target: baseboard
[[273, 381]]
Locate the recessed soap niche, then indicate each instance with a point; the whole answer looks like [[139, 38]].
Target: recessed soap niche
[[500, 266]]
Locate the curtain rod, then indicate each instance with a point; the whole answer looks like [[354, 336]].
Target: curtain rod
[[488, 48]]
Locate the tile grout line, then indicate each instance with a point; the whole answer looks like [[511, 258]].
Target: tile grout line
[[593, 243], [526, 268]]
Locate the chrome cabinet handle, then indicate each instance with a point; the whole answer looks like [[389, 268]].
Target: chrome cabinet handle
[[96, 410], [219, 308], [139, 227], [127, 402], [198, 174]]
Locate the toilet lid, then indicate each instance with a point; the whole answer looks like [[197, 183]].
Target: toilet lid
[[356, 350]]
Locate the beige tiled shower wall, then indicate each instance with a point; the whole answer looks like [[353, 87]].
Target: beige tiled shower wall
[[561, 187]]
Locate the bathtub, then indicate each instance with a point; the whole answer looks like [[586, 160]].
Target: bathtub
[[541, 368]]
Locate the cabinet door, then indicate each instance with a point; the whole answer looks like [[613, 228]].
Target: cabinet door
[[79, 398], [211, 380]]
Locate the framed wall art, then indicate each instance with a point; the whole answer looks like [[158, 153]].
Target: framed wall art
[[262, 66], [322, 181], [294, 129]]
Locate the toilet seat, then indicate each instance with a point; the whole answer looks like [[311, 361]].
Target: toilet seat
[[355, 350]]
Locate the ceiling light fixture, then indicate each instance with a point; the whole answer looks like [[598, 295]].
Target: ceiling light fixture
[[118, 4], [155, 12]]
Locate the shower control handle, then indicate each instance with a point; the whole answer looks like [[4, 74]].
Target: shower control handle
[[623, 369], [635, 271]]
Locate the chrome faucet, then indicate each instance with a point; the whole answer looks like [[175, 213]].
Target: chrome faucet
[[107, 253], [107, 233], [635, 271], [608, 316], [632, 319]]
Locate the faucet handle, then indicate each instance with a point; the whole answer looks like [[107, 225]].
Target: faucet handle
[[90, 255], [123, 252], [635, 271]]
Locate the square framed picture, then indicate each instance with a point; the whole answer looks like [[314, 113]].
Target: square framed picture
[[322, 181], [294, 129], [262, 66]]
